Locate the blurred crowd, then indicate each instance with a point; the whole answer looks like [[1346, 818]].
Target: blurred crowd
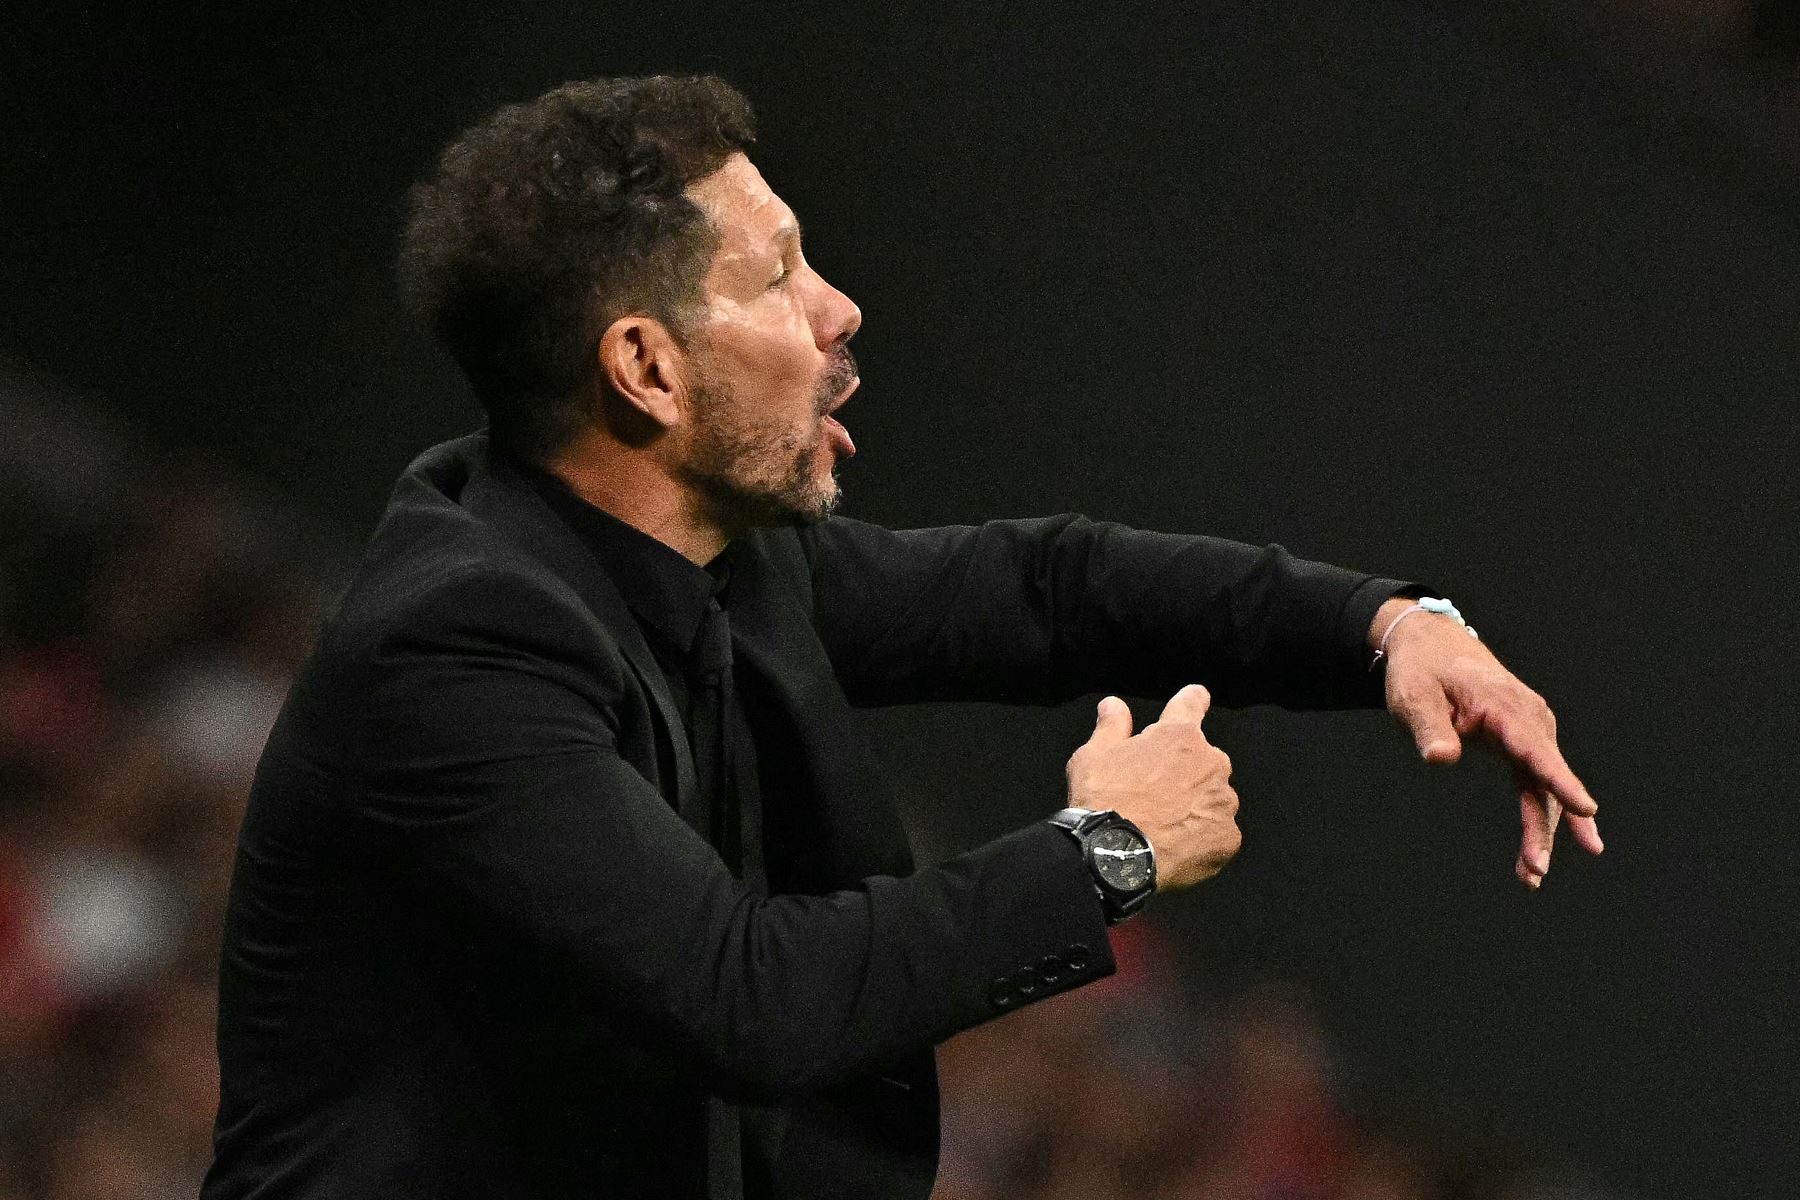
[[152, 609], [1133, 1089]]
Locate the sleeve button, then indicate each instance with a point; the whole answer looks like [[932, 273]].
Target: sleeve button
[[1027, 981], [1051, 967], [1000, 992], [1077, 956]]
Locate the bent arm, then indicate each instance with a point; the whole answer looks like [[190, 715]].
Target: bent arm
[[509, 814], [1041, 611]]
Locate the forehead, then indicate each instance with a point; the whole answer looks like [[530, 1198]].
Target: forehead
[[744, 209]]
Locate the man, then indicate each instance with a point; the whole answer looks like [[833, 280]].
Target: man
[[564, 873]]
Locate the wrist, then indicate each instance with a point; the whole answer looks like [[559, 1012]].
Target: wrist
[[1120, 861], [1395, 613], [1385, 616]]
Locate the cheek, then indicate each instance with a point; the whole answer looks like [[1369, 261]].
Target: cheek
[[765, 346], [791, 354], [785, 391]]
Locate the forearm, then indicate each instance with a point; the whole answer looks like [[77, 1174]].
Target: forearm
[[806, 992], [527, 839], [762, 999], [1041, 611]]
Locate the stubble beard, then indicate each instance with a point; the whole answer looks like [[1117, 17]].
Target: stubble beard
[[750, 475]]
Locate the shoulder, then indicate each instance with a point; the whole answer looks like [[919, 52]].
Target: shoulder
[[436, 574]]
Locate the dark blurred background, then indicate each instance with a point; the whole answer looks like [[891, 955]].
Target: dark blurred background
[[1500, 296]]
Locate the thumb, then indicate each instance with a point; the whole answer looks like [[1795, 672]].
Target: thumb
[[1428, 716], [1113, 724]]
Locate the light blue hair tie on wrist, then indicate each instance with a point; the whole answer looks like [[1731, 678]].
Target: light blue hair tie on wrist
[[1435, 604], [1430, 604]]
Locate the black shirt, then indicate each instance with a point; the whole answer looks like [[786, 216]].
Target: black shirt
[[674, 602]]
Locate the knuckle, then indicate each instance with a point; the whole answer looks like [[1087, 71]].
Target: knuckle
[[1468, 667], [1408, 697], [1526, 702]]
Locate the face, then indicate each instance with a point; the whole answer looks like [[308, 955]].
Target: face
[[770, 363]]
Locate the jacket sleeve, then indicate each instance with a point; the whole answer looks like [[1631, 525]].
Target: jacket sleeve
[[1042, 611], [493, 787]]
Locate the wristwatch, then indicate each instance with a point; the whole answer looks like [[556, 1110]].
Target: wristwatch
[[1118, 855]]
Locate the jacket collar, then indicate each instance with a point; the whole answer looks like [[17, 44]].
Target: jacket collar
[[498, 493], [668, 593], [856, 831]]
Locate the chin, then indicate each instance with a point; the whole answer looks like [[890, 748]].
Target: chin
[[808, 493], [815, 491], [827, 501], [812, 505], [802, 504]]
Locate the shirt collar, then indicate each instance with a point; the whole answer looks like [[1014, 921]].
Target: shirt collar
[[667, 593]]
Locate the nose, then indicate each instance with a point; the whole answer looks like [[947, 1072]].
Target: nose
[[835, 316]]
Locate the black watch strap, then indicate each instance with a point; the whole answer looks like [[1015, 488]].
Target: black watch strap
[[1083, 824]]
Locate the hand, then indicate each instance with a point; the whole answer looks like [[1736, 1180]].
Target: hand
[[1169, 781], [1444, 686]]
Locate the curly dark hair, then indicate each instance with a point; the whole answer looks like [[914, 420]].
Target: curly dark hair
[[550, 220]]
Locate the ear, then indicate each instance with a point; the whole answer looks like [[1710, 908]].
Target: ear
[[639, 358]]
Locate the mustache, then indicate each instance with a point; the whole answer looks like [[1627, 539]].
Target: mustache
[[837, 377]]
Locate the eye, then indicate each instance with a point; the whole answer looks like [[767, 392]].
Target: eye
[[781, 278]]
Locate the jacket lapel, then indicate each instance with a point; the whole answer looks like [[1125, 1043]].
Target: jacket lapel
[[855, 829], [499, 495]]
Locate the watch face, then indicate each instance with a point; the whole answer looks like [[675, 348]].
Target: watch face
[[1122, 858]]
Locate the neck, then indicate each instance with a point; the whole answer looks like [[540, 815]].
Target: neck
[[639, 490]]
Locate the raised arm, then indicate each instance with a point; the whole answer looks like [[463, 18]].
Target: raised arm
[[1040, 611]]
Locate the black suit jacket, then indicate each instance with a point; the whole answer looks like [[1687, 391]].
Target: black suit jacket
[[473, 951]]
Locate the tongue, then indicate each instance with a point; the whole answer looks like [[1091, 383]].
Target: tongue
[[840, 437]]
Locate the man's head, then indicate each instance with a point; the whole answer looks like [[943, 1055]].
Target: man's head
[[606, 256], [769, 364]]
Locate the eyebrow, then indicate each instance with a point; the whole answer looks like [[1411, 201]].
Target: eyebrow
[[789, 233]]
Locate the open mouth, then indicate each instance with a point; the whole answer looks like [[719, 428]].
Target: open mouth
[[855, 382], [834, 429]]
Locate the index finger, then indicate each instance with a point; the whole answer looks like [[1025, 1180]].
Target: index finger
[[1539, 814], [1189, 704], [1534, 749]]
